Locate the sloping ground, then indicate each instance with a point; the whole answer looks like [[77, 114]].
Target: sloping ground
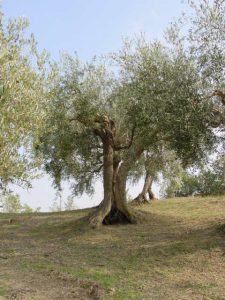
[[177, 252]]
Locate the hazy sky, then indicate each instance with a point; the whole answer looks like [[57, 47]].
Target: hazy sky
[[88, 27]]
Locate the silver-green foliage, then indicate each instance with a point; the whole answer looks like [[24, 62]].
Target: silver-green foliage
[[165, 104], [154, 91], [207, 40], [68, 143], [10, 203], [22, 100]]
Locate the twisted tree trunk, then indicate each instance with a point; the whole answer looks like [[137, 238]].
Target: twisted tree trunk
[[106, 133], [142, 198], [119, 213], [113, 209], [104, 208]]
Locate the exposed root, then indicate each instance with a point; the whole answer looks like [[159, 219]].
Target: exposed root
[[95, 221], [143, 199], [103, 215], [140, 200], [101, 211]]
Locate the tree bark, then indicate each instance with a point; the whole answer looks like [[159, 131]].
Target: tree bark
[[106, 132], [113, 209], [104, 208], [119, 213], [142, 198]]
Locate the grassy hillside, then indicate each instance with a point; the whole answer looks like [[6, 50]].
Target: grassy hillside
[[177, 252]]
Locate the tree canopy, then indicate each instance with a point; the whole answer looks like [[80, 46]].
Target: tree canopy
[[152, 100], [23, 96]]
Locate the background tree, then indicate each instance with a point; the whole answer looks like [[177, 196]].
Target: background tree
[[204, 42], [207, 180], [10, 203], [70, 203], [146, 194], [171, 176], [164, 168], [23, 96], [59, 204]]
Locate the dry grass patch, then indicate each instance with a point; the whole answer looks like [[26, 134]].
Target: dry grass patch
[[177, 252]]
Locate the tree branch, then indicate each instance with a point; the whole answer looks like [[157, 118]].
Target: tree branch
[[99, 169], [77, 119], [219, 94], [119, 147]]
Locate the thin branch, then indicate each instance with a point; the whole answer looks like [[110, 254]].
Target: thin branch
[[72, 119], [91, 172], [77, 119], [99, 132], [219, 94], [99, 169]]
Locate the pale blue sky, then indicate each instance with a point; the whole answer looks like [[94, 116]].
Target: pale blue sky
[[89, 27], [92, 27]]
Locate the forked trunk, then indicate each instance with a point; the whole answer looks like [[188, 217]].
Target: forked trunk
[[146, 194], [113, 208], [119, 213]]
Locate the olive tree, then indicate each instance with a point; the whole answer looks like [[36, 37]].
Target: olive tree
[[23, 97], [162, 167], [101, 124], [206, 179], [202, 34]]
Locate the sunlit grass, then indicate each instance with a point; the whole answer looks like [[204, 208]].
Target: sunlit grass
[[176, 253]]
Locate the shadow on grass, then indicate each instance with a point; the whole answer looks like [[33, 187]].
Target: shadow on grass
[[156, 236], [118, 255]]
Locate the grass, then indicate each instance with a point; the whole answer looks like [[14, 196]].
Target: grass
[[2, 291], [100, 276], [177, 252]]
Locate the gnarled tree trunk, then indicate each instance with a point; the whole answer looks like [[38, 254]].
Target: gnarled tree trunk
[[106, 133], [119, 213], [147, 190], [113, 208], [104, 208]]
